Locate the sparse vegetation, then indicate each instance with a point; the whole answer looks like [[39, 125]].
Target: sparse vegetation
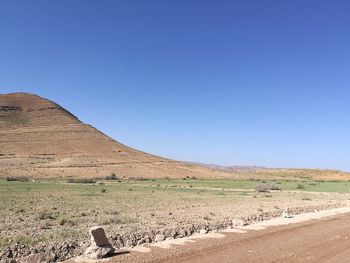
[[17, 178], [111, 177], [275, 187], [81, 181], [64, 221], [262, 188], [46, 215], [265, 187], [58, 208], [300, 187], [306, 199]]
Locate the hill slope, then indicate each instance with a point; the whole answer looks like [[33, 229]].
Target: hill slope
[[39, 138]]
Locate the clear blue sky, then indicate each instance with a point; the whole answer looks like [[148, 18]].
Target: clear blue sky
[[227, 82]]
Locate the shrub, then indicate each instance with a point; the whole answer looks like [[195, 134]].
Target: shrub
[[262, 188], [111, 177], [138, 178], [275, 187], [17, 178], [81, 181], [62, 221], [300, 186], [65, 221], [265, 187], [45, 215]]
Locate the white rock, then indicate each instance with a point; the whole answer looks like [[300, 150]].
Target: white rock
[[286, 214], [237, 223], [203, 231], [159, 238], [100, 246], [98, 252]]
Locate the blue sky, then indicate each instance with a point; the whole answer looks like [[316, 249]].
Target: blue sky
[[227, 82]]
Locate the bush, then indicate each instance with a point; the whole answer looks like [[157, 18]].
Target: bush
[[262, 188], [138, 178], [275, 187], [17, 178], [300, 186], [265, 187], [81, 181], [111, 177], [64, 221], [46, 215]]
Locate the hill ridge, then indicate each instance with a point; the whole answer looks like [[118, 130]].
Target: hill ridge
[[40, 138]]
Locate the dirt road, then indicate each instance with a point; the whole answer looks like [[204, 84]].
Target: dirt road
[[323, 240]]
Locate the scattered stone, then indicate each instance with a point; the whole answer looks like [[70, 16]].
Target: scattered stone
[[203, 231], [140, 242], [38, 258], [237, 223], [159, 238], [75, 247], [100, 246], [286, 214]]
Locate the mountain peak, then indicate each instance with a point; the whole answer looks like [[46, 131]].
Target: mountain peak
[[39, 138], [26, 109]]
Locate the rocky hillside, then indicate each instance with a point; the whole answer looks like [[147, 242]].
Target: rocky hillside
[[39, 138]]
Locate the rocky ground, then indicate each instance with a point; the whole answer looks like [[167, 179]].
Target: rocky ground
[[59, 251], [53, 218]]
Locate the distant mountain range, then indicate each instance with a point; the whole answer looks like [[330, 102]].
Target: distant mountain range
[[232, 168]]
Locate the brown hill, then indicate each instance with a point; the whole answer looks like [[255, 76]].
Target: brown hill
[[39, 138]]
